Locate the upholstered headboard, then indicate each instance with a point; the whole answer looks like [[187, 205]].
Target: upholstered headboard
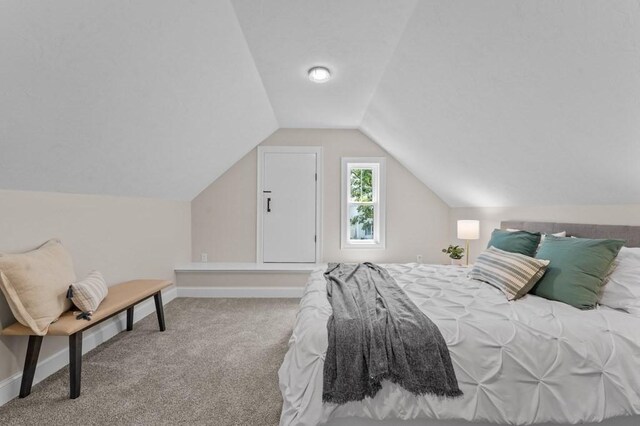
[[631, 234]]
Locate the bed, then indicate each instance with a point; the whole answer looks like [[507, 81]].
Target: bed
[[524, 362]]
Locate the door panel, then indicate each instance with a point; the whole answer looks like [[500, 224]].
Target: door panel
[[289, 207]]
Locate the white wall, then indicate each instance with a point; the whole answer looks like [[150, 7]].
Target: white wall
[[124, 238], [490, 218], [224, 214]]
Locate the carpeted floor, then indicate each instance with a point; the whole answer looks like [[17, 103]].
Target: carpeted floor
[[216, 364]]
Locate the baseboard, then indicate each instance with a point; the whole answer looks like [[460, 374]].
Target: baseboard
[[10, 387], [256, 292]]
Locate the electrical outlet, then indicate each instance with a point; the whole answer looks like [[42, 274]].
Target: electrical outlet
[[204, 257], [419, 258]]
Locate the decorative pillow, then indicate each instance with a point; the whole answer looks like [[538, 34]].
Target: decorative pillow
[[621, 289], [577, 270], [88, 293], [513, 273], [35, 284], [557, 234], [522, 242], [544, 235]]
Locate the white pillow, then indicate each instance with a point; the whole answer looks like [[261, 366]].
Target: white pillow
[[562, 234], [543, 236], [89, 293], [621, 289]]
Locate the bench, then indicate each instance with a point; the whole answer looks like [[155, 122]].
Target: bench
[[121, 297]]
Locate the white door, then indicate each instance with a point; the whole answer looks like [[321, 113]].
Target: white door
[[289, 185]]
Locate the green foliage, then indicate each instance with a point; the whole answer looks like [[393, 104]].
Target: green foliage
[[361, 191], [361, 181], [364, 218], [454, 252]]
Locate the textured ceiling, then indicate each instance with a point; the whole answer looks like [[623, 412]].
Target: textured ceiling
[[488, 102], [355, 38], [142, 98], [494, 103]]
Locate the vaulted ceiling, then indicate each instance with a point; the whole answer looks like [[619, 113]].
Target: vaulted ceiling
[[488, 102], [143, 98]]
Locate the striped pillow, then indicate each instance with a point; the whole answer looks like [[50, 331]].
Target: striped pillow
[[89, 293], [513, 273]]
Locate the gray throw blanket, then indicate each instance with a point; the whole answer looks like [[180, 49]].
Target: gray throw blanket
[[376, 332]]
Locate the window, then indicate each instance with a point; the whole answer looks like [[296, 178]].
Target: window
[[363, 191]]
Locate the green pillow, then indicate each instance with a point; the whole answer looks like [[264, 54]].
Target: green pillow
[[578, 267], [522, 242]]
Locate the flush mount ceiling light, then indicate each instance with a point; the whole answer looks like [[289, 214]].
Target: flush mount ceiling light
[[319, 74]]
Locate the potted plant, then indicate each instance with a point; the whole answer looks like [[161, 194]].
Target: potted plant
[[455, 253]]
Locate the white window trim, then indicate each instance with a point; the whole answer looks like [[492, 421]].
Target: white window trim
[[380, 221]]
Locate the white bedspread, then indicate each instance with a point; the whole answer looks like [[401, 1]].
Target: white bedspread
[[532, 360]]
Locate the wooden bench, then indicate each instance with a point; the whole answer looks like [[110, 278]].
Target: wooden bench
[[121, 297]]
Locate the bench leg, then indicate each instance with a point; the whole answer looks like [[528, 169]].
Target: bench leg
[[130, 319], [75, 364], [160, 311], [30, 363]]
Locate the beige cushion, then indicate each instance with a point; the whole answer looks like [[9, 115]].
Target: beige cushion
[[35, 284], [88, 293]]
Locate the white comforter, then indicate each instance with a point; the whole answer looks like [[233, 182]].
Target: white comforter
[[532, 360]]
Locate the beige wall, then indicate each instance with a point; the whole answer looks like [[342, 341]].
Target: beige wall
[[490, 218], [124, 238], [224, 214]]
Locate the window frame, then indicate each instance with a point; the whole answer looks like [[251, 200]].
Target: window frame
[[379, 202]]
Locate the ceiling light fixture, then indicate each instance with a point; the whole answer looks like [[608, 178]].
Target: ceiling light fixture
[[319, 74]]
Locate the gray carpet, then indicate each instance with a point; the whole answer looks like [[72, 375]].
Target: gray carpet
[[216, 364]]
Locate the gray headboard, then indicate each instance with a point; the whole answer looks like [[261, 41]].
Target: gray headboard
[[631, 234]]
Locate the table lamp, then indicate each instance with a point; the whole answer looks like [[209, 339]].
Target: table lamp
[[468, 230]]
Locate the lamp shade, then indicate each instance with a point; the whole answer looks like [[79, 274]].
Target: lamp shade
[[468, 229]]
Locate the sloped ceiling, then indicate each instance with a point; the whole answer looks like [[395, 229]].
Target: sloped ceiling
[[488, 102], [495, 103], [143, 98], [355, 38]]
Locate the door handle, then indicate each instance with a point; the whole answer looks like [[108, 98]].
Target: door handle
[[268, 205]]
